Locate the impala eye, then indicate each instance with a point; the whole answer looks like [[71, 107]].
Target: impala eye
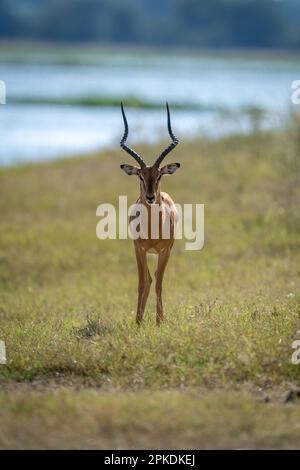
[[142, 179], [158, 179]]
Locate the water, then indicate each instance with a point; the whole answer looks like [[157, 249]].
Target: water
[[40, 132]]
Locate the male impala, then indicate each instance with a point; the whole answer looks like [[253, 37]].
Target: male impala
[[150, 194]]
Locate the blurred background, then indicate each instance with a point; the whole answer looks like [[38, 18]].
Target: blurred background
[[224, 65]]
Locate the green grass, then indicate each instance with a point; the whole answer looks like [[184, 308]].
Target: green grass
[[67, 304], [103, 101]]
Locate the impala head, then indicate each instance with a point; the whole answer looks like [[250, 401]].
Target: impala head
[[149, 175]]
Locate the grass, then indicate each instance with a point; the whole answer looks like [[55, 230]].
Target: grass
[[112, 101], [104, 101], [169, 419], [67, 305]]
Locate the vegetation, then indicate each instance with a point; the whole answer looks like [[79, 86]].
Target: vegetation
[[87, 419], [67, 305], [213, 23], [131, 102]]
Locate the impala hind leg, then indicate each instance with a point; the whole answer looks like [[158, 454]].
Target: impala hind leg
[[144, 283], [163, 259]]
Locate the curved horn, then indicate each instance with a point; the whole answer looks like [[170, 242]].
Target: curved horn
[[123, 142], [172, 144]]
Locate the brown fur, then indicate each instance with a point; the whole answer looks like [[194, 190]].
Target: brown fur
[[149, 187]]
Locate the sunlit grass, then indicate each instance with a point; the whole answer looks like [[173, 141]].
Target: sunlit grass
[[68, 300]]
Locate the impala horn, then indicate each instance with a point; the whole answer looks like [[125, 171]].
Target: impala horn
[[172, 145], [131, 152]]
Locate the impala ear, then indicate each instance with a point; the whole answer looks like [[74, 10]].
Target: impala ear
[[130, 170], [169, 169]]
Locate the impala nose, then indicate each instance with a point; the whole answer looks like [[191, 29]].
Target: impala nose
[[150, 199]]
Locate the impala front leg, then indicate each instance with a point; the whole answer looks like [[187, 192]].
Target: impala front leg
[[161, 266], [144, 283]]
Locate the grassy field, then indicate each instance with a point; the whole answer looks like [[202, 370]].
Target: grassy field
[[80, 373]]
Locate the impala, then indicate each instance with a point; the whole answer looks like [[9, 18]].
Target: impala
[[150, 194]]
